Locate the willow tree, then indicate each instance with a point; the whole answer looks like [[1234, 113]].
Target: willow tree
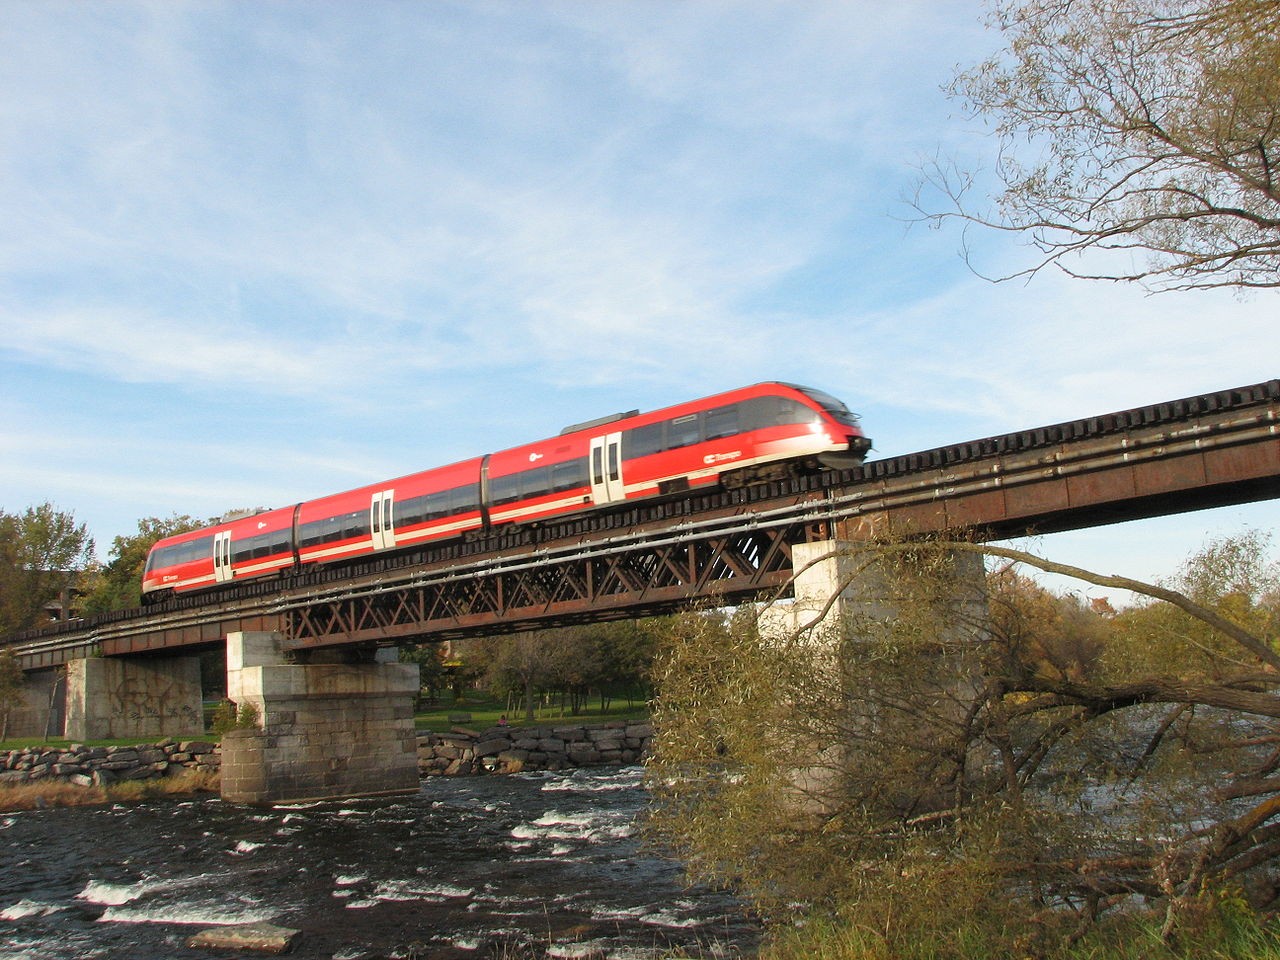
[[1145, 127], [1030, 765]]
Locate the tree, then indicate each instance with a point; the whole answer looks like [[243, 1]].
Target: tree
[[520, 665], [1025, 764], [42, 552], [626, 650], [576, 663], [1147, 126], [118, 586], [431, 669], [573, 662]]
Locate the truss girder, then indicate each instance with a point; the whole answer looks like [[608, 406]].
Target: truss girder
[[629, 582]]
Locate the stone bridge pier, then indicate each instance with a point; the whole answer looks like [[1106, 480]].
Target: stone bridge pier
[[323, 729]]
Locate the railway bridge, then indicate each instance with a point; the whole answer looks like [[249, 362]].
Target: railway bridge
[[315, 652]]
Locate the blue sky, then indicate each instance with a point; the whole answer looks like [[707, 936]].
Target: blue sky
[[252, 253]]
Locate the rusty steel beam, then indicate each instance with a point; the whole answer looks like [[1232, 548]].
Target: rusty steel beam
[[143, 634], [202, 633], [645, 579], [1213, 460]]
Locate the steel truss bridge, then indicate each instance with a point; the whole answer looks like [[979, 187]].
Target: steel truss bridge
[[728, 546]]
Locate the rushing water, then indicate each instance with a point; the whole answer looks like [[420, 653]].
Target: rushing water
[[528, 865]]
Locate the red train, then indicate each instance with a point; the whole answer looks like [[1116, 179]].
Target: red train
[[736, 438]]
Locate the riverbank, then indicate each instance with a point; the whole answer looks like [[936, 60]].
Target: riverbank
[[75, 774], [102, 766], [464, 751], [40, 794]]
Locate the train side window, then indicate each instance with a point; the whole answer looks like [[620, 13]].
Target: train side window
[[797, 412], [642, 441], [251, 548], [407, 512], [180, 553], [756, 413], [504, 489], [464, 499], [535, 483], [451, 502], [355, 525], [568, 475], [722, 422], [683, 431], [763, 412], [777, 412]]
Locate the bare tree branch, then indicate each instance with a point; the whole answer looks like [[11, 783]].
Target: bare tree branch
[[1154, 125]]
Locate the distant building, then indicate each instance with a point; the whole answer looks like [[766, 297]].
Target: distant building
[[65, 606]]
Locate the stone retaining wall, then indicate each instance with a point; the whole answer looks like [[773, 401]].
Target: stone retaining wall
[[463, 751], [97, 766], [460, 752]]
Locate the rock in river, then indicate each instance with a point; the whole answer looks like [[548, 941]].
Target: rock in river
[[259, 937]]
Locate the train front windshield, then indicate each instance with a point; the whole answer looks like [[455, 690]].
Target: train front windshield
[[833, 407]]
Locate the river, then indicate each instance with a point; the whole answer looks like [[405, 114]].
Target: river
[[523, 866]]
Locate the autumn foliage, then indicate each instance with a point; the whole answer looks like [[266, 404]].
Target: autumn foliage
[[1037, 763]]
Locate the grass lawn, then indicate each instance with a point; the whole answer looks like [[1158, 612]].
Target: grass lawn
[[482, 712]]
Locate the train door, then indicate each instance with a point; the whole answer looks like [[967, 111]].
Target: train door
[[606, 468], [381, 521], [222, 569]]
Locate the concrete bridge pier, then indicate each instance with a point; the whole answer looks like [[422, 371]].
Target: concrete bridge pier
[[842, 594], [324, 729], [837, 585], [110, 698]]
